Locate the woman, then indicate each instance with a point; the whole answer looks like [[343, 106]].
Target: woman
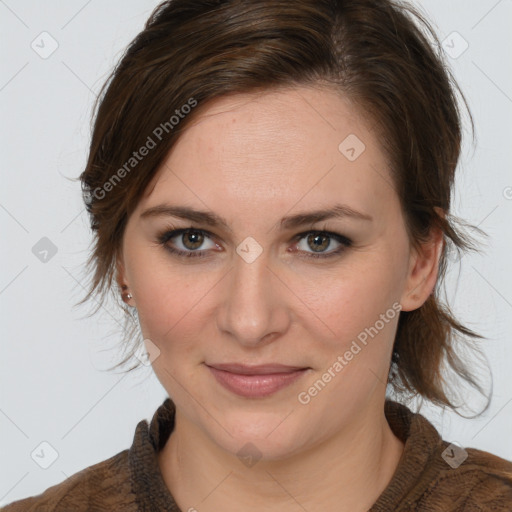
[[269, 187]]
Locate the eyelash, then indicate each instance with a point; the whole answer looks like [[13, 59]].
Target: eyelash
[[164, 237]]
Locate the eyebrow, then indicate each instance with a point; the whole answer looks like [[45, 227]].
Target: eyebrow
[[289, 222]]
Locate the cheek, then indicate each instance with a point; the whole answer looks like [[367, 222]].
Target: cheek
[[168, 296], [352, 297], [168, 307]]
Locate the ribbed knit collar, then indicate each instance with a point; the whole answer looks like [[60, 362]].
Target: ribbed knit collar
[[148, 483], [420, 438], [419, 460]]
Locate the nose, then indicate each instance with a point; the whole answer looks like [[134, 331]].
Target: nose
[[254, 310]]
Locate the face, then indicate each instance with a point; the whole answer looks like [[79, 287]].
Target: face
[[255, 283]]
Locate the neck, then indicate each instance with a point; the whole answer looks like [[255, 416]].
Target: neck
[[346, 472]]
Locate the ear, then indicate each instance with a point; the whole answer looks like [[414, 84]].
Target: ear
[[423, 271], [120, 273]]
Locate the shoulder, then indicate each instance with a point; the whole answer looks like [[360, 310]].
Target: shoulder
[[463, 480], [482, 481], [436, 475], [102, 486]]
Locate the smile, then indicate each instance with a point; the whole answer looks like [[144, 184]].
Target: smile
[[255, 382]]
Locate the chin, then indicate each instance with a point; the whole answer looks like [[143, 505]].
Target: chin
[[269, 436]]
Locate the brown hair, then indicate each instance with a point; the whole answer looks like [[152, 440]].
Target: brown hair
[[375, 52]]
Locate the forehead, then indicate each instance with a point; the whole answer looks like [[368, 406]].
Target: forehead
[[276, 148]]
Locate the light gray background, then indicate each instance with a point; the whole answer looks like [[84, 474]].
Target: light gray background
[[53, 384]]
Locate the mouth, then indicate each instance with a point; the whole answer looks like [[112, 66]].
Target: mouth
[[255, 381]]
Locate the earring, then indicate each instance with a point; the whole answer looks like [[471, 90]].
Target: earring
[[126, 295]]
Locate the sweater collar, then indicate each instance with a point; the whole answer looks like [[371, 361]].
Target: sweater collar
[[421, 444], [148, 484], [421, 441]]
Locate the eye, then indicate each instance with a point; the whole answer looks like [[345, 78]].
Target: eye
[[319, 241], [190, 240]]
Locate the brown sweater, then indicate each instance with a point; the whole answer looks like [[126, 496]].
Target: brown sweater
[[423, 481]]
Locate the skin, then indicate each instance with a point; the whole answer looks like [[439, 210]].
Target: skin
[[253, 159]]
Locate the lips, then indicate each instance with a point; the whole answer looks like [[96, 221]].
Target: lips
[[255, 381], [262, 369]]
